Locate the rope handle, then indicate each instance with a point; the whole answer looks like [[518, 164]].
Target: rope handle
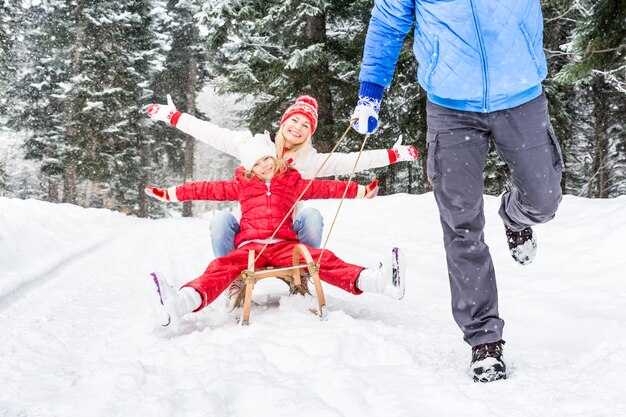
[[319, 259]]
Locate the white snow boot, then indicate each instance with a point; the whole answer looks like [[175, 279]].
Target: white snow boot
[[172, 303], [389, 279]]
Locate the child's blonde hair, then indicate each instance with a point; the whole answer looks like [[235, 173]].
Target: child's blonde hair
[[280, 166]]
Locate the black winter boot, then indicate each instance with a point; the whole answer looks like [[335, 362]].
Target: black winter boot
[[522, 245], [487, 364]]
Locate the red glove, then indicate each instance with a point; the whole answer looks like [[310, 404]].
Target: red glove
[[400, 153], [371, 190], [165, 112], [158, 193]]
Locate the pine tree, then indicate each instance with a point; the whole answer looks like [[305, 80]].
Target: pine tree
[[597, 51], [7, 69], [7, 31], [559, 21], [599, 43], [114, 89], [182, 77], [37, 92], [277, 50], [85, 85]]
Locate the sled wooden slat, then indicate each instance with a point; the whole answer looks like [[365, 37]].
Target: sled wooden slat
[[290, 274], [272, 272]]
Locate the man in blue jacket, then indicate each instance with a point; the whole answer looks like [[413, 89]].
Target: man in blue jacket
[[481, 63]]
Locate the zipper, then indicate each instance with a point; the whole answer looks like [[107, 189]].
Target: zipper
[[529, 45], [483, 56], [434, 58], [268, 212]]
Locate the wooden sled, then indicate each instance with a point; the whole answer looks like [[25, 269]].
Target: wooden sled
[[291, 275]]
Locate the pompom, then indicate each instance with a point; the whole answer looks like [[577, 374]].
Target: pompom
[[309, 100]]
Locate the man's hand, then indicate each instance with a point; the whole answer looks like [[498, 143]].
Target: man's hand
[[366, 115], [367, 108]]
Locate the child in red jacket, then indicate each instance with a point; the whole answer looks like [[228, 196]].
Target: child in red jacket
[[267, 189]]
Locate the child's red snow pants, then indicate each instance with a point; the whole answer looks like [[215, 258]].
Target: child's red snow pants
[[221, 272]]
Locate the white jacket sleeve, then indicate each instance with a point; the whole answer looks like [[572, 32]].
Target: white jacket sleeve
[[222, 139], [309, 161]]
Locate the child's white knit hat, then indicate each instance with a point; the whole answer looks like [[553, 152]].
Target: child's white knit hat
[[256, 148]]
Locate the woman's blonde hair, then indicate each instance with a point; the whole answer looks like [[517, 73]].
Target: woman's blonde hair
[[280, 166], [279, 140]]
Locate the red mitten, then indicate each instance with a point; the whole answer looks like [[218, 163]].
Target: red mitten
[[165, 112], [158, 193], [371, 190], [400, 153]]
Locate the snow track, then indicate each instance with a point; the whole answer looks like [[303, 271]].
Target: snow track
[[78, 337], [34, 280]]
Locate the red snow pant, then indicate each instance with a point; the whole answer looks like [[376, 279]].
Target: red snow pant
[[221, 272]]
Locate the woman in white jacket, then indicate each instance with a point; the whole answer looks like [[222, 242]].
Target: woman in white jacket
[[293, 144]]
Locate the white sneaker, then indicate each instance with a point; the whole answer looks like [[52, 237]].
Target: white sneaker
[[171, 305], [389, 279]]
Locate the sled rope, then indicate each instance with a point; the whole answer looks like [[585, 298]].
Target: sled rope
[[343, 196], [309, 184]]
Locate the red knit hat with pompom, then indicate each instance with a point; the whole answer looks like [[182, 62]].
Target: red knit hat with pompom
[[306, 105]]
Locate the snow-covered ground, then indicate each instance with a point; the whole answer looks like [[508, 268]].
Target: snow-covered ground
[[78, 336]]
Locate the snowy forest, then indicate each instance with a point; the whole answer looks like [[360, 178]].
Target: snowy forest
[[76, 78]]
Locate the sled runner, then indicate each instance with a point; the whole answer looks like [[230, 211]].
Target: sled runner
[[292, 275]]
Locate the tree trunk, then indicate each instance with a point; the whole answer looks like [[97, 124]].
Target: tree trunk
[[190, 142], [316, 34], [144, 203], [599, 169], [423, 144], [53, 190], [70, 192]]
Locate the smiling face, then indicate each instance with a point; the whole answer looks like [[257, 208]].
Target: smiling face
[[265, 168], [296, 129]]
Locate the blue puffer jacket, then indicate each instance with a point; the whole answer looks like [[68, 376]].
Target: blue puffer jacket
[[474, 55]]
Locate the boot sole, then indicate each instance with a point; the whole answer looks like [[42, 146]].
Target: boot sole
[[161, 307], [398, 269]]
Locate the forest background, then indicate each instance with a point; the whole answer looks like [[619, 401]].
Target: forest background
[[77, 76]]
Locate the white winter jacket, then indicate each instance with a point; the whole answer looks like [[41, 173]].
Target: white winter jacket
[[306, 160]]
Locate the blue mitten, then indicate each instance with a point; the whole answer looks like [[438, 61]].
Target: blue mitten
[[367, 108]]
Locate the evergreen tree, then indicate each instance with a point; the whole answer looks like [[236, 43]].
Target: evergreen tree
[[182, 77], [7, 30], [559, 21], [277, 50], [597, 60], [7, 70], [87, 70], [37, 91], [273, 51], [598, 43], [113, 91]]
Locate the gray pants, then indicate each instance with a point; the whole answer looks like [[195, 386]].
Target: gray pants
[[458, 143]]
